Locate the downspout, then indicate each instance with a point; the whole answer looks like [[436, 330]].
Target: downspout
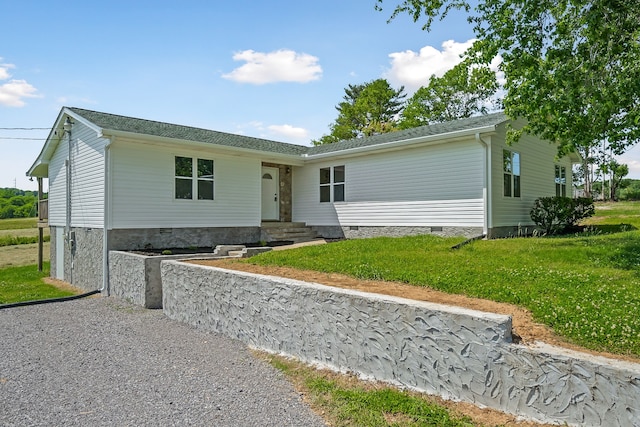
[[67, 126], [488, 199], [106, 219]]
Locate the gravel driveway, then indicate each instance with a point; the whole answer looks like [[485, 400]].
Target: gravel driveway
[[99, 362]]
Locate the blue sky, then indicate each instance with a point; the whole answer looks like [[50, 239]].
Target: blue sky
[[269, 69]]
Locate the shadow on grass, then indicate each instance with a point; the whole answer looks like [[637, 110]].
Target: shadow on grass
[[611, 228]]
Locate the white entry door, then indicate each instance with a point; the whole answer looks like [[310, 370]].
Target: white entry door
[[60, 253], [270, 194]]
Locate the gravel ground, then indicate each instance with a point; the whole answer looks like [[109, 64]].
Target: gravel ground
[[99, 362]]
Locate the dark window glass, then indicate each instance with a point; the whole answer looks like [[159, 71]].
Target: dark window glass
[[325, 193], [184, 166], [516, 186], [338, 174], [325, 175], [205, 189], [338, 193], [507, 185], [183, 188], [506, 161], [205, 168]]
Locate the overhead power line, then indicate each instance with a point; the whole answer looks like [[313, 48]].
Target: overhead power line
[[25, 128], [25, 139]]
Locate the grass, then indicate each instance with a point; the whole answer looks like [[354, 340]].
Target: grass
[[18, 223], [344, 401], [20, 240], [585, 286], [20, 231], [25, 284], [18, 255]]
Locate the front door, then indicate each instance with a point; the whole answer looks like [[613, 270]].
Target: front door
[[270, 194]]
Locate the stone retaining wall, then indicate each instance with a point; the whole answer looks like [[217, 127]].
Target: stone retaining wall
[[136, 277], [456, 353]]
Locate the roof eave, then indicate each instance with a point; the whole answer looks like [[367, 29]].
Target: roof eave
[[394, 145], [290, 159], [40, 167]]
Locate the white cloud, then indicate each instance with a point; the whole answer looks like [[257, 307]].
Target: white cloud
[[413, 69], [14, 91], [289, 131], [278, 66], [283, 133], [4, 70]]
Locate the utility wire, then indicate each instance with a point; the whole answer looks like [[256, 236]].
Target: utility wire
[[25, 139], [25, 128]]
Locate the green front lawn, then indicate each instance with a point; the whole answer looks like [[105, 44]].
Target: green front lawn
[[25, 284], [585, 286], [344, 402]]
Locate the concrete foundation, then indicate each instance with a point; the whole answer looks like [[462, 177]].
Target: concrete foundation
[[455, 353], [162, 238]]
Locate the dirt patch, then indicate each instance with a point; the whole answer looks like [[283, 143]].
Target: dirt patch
[[64, 286], [19, 255], [525, 329]]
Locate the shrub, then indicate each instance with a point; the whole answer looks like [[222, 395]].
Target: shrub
[[557, 214], [631, 192]]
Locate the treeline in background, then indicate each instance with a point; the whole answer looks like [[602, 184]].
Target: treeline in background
[[15, 203]]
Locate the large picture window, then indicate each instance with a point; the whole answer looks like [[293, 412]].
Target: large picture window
[[561, 181], [511, 173], [193, 177], [332, 181]]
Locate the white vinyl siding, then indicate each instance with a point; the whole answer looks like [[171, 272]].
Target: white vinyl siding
[[537, 160], [143, 185], [432, 185], [465, 213], [87, 180], [87, 183], [58, 186]]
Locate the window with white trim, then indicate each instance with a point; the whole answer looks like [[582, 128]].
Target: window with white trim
[[511, 173], [193, 176], [561, 181], [332, 187]]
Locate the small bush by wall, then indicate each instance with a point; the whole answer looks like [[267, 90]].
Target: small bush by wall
[[556, 214]]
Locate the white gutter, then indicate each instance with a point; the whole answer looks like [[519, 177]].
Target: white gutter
[[441, 137], [106, 220], [487, 193], [289, 159]]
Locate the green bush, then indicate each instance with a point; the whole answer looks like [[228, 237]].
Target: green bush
[[631, 192], [557, 214]]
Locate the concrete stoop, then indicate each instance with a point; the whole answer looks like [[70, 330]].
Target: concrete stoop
[[295, 232]]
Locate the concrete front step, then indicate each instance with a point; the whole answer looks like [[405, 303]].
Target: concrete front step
[[293, 231]]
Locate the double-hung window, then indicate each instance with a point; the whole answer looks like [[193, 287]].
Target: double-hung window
[[193, 176], [511, 173], [332, 184], [561, 181]]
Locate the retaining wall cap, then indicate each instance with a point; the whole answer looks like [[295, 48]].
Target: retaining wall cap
[[544, 348], [494, 317]]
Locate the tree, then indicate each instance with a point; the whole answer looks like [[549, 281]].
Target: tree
[[461, 92], [367, 109], [617, 171], [572, 67]]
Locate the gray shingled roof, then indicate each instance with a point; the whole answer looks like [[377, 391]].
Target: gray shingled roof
[[401, 135], [149, 127]]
